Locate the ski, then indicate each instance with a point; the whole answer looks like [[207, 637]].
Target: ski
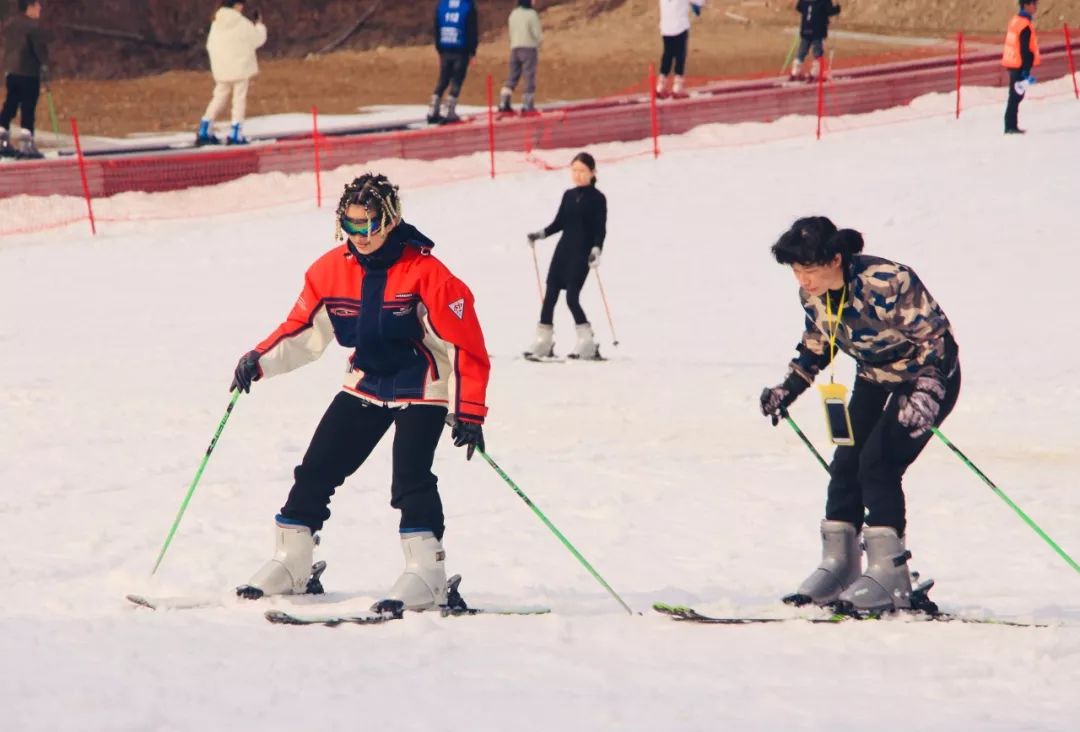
[[528, 356], [280, 617], [314, 587], [682, 613]]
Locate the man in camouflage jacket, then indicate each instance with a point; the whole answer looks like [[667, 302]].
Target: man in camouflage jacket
[[907, 381]]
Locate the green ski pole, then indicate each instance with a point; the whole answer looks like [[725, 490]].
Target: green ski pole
[[554, 530], [790, 53], [1013, 506], [52, 113], [804, 438], [195, 481]]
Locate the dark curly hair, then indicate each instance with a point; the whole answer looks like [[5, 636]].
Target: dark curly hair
[[815, 240], [374, 192]]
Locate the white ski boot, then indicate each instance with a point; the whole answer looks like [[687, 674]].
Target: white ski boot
[[451, 115], [886, 584], [422, 585], [586, 347], [434, 113], [678, 89], [290, 572], [841, 565], [27, 149], [6, 149], [663, 91], [544, 344]]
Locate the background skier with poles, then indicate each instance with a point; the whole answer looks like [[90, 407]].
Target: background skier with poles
[[907, 382], [419, 353], [582, 219]]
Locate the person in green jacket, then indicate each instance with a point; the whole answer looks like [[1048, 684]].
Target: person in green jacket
[[526, 36], [26, 66]]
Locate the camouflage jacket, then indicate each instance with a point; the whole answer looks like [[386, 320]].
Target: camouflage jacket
[[891, 326]]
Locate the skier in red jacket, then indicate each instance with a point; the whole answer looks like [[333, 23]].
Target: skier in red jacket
[[419, 362]]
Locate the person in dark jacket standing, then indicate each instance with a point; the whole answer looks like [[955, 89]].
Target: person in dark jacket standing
[[813, 30], [1020, 55], [582, 219], [419, 362], [457, 36], [26, 66], [907, 381]]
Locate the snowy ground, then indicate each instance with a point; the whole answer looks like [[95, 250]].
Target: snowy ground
[[118, 350]]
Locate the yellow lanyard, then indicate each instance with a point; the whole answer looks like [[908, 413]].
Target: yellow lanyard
[[833, 328]]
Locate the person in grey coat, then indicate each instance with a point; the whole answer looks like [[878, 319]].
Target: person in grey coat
[[526, 35], [26, 67]]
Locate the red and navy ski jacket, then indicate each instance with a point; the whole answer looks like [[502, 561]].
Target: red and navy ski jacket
[[412, 324]]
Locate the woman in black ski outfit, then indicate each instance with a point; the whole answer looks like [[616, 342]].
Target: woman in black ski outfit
[[582, 219]]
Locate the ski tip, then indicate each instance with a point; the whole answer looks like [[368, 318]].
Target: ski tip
[[140, 601]]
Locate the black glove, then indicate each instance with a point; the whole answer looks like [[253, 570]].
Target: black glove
[[919, 411], [247, 371], [534, 235], [257, 16], [468, 433]]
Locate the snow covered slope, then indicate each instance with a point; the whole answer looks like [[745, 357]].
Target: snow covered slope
[[117, 352]]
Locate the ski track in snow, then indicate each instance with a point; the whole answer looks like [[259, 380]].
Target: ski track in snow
[[117, 353]]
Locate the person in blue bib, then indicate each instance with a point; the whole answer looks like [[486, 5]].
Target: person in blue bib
[[457, 35]]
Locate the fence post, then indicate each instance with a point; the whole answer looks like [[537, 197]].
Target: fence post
[[820, 94], [654, 117], [491, 122], [82, 172], [1072, 64], [318, 162], [959, 66]]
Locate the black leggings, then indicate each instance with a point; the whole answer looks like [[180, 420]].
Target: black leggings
[[1012, 108], [453, 65], [22, 91], [348, 432], [674, 52], [551, 296], [869, 473]]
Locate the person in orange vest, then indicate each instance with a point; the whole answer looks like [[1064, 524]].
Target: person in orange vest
[[1021, 54]]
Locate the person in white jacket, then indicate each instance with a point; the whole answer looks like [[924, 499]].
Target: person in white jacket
[[231, 44], [526, 34], [675, 30]]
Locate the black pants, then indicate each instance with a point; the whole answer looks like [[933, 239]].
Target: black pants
[[453, 65], [346, 435], [674, 52], [1012, 109], [22, 92], [868, 474], [573, 301]]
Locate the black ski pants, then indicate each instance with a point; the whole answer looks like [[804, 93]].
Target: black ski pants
[[348, 432], [1012, 108], [573, 301], [453, 65], [674, 53], [866, 477], [22, 93]]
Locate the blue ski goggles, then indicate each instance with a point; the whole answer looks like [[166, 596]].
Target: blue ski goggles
[[360, 227]]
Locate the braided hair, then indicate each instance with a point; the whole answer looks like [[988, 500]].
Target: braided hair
[[375, 193]]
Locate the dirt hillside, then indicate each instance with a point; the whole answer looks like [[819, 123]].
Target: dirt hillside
[[591, 48]]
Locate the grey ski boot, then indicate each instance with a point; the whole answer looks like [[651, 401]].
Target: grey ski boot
[[27, 149], [6, 150], [422, 585], [886, 584], [841, 564], [290, 571]]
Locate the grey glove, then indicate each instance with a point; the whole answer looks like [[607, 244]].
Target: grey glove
[[594, 257], [919, 410]]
